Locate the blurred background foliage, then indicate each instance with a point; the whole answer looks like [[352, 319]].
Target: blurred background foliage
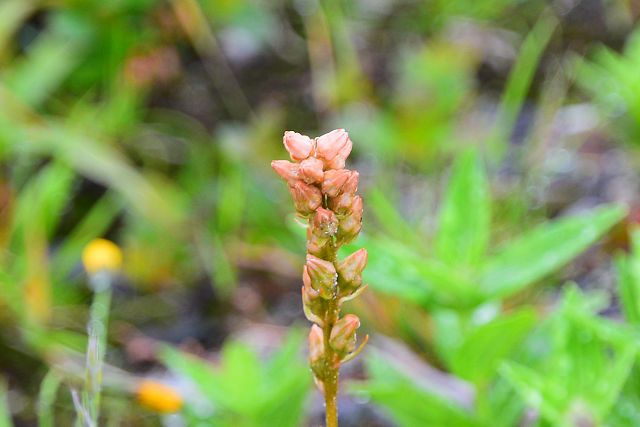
[[487, 133]]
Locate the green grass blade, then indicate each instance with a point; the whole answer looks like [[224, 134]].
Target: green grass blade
[[46, 399], [520, 80]]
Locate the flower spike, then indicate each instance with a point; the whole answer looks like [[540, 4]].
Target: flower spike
[[324, 193]]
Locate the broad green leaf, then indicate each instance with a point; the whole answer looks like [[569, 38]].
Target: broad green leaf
[[590, 361], [465, 216], [287, 385], [543, 250], [199, 371], [390, 220], [503, 401], [546, 396], [245, 391], [241, 378], [408, 404], [397, 269], [225, 386], [485, 347], [612, 79]]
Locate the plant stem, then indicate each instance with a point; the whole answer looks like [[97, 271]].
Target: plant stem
[[96, 349], [331, 370]]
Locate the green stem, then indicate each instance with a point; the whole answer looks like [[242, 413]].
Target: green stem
[[332, 362], [331, 369], [96, 348]]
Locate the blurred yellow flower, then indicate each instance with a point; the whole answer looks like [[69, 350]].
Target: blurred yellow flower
[[101, 254], [158, 397]]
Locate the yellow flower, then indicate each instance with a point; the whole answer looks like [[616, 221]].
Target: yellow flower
[[101, 254], [158, 397]]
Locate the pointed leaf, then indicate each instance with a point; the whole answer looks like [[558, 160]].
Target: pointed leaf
[[465, 216], [408, 404], [399, 270], [484, 348], [545, 249]]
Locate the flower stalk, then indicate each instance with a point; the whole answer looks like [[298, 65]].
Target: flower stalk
[[102, 259], [324, 194]]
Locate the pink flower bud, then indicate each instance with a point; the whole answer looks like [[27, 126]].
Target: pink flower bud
[[334, 180], [306, 280], [325, 223], [306, 198], [322, 274], [286, 169], [340, 159], [348, 229], [333, 144], [311, 170], [342, 203], [316, 344], [351, 186], [350, 269], [312, 303], [343, 334], [317, 243], [299, 146], [356, 208]]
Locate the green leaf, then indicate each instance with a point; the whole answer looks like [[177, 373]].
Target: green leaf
[[627, 288], [543, 250], [200, 372], [485, 347], [49, 61], [44, 197], [628, 271], [465, 216], [408, 404], [241, 378], [246, 392], [546, 396], [287, 384], [519, 81], [46, 399], [626, 412], [389, 219], [398, 270], [590, 362]]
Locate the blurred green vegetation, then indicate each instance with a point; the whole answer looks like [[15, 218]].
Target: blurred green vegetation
[[497, 146]]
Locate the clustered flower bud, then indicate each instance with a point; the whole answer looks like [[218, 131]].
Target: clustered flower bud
[[343, 334], [324, 193]]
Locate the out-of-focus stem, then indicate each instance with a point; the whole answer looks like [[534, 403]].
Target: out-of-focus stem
[[96, 348]]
